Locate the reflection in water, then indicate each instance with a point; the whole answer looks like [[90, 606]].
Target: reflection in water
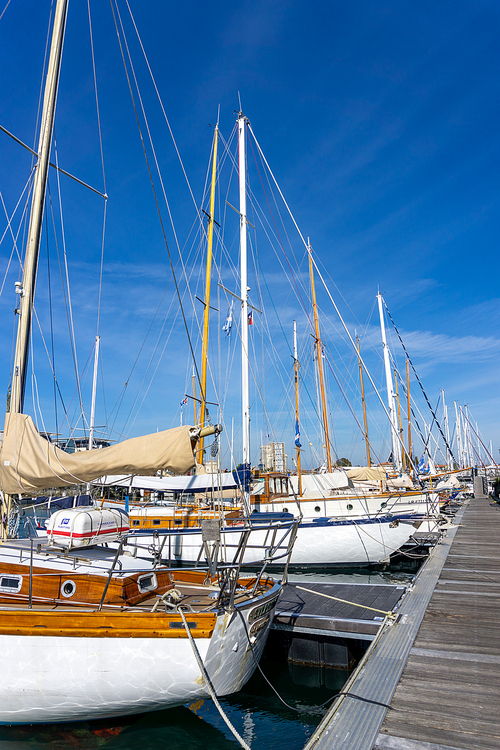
[[261, 718], [256, 712]]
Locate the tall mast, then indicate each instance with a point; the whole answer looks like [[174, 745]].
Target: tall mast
[[296, 369], [194, 393], [410, 459], [245, 395], [400, 426], [27, 290], [204, 349], [446, 425], [396, 446], [467, 439], [94, 389], [459, 437], [368, 457], [319, 358]]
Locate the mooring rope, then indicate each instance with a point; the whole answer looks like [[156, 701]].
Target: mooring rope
[[389, 614], [210, 687]]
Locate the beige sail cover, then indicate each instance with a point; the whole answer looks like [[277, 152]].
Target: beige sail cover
[[366, 473], [29, 462]]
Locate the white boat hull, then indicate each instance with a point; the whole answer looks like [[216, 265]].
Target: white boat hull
[[356, 504], [319, 542], [61, 679]]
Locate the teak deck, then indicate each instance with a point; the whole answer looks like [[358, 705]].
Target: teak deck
[[438, 667]]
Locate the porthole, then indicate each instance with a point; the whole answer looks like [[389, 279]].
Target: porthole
[[317, 509], [285, 510], [349, 506], [11, 584], [147, 582], [383, 505], [68, 588]]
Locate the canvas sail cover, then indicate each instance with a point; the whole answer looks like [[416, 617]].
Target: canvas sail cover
[[29, 462], [366, 473]]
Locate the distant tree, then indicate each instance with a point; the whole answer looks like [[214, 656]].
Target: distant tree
[[343, 462]]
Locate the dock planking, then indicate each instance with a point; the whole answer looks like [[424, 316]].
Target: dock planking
[[448, 692], [431, 681]]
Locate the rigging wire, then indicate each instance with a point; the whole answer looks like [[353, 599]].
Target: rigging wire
[[70, 306], [9, 227], [172, 268], [103, 169], [418, 380]]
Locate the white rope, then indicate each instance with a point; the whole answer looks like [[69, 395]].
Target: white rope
[[210, 687], [389, 614]]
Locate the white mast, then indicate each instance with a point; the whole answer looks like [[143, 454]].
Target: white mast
[[461, 459], [467, 440], [245, 395], [396, 445], [446, 425], [94, 388], [27, 290]]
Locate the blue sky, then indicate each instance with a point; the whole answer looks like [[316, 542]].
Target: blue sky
[[380, 123]]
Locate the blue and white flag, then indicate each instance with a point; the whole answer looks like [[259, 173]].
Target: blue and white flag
[[297, 434], [229, 321], [423, 467]]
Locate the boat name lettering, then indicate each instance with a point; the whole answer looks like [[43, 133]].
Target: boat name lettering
[[259, 625], [262, 609]]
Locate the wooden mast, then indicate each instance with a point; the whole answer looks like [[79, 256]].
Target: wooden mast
[[319, 358], [26, 290], [368, 457], [296, 370], [204, 349]]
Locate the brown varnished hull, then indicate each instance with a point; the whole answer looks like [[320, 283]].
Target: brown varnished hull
[[123, 590], [128, 624]]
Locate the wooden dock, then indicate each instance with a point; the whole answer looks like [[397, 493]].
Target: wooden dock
[[438, 666]]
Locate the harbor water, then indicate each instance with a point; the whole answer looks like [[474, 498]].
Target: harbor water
[[277, 709]]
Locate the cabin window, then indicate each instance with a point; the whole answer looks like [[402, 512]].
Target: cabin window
[[349, 506], [136, 523], [178, 521], [11, 584], [68, 588], [147, 582], [285, 510], [156, 521], [317, 509], [383, 505]]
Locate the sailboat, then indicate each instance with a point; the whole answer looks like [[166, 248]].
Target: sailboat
[[88, 631], [327, 534]]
